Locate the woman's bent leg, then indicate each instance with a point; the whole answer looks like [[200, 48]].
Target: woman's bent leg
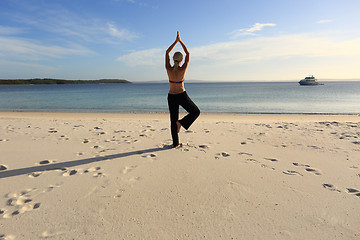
[[191, 108], [174, 116]]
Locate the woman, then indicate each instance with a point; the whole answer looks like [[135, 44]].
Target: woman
[[177, 95]]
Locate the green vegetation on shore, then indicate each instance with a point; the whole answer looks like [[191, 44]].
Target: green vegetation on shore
[[57, 81]]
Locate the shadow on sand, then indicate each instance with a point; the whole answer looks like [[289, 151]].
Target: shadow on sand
[[61, 165]]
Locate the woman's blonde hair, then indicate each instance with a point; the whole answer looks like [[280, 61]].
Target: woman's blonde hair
[[178, 57]]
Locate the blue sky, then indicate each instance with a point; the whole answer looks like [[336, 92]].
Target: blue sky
[[229, 40]]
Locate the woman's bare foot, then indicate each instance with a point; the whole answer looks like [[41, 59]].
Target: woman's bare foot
[[178, 146], [178, 126]]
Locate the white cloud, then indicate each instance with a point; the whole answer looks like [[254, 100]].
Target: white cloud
[[257, 58], [120, 33], [255, 49], [324, 21], [73, 26], [24, 49], [150, 57], [4, 30], [250, 31], [274, 47]]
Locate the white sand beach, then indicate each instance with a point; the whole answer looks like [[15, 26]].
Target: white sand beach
[[115, 176]]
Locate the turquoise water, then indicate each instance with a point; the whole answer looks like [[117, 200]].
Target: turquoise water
[[239, 97]]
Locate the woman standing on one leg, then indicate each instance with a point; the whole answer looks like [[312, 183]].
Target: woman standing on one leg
[[177, 95]]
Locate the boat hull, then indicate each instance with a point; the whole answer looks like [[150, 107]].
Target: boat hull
[[306, 82]]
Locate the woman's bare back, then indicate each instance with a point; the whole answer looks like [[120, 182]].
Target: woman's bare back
[[176, 79]]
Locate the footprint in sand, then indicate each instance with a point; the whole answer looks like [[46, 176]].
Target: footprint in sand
[[131, 141], [51, 234], [29, 207], [272, 159], [63, 137], [18, 201], [222, 154], [3, 167], [152, 155], [300, 165], [314, 147], [307, 168], [203, 146], [128, 169], [119, 193], [251, 160], [266, 166], [95, 171], [147, 130], [34, 174], [69, 172], [330, 187], [6, 237], [52, 187], [22, 193], [11, 214], [292, 172], [312, 170], [119, 131], [98, 175], [135, 179], [21, 201], [353, 191], [244, 153], [92, 169], [43, 162], [108, 149], [52, 130]]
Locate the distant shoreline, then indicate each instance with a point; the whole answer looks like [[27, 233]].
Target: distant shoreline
[[35, 81]]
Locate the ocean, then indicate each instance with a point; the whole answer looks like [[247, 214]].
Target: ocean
[[235, 97]]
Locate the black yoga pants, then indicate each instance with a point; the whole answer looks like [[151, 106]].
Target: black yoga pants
[[174, 101]]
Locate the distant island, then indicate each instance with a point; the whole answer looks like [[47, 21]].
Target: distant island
[[57, 81]]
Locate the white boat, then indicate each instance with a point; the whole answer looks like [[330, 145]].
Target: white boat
[[310, 80]]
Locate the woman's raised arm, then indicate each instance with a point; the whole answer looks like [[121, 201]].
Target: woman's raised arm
[[167, 54], [186, 50]]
